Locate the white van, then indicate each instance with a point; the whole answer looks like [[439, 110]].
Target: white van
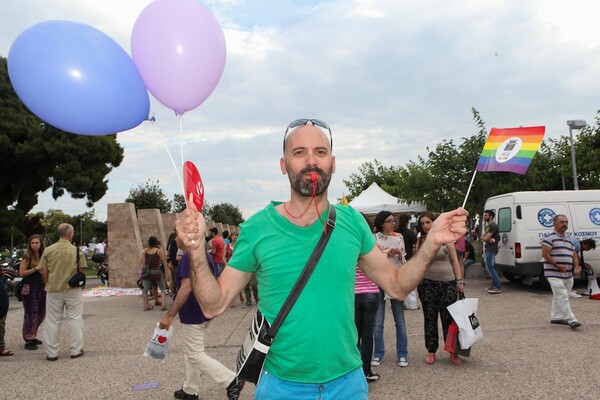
[[525, 218]]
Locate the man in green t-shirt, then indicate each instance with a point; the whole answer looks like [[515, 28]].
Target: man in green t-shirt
[[315, 350]]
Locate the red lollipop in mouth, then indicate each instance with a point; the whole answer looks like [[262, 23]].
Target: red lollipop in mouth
[[194, 189]]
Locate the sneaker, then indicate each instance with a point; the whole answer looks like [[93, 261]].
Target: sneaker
[[487, 289], [31, 345], [403, 362], [574, 324], [78, 354], [235, 388], [180, 394], [574, 294], [494, 290], [376, 362], [247, 304], [371, 377]]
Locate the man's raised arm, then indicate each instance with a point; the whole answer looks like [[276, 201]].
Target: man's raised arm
[[213, 295]]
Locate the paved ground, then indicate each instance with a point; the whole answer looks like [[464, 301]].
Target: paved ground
[[522, 356]]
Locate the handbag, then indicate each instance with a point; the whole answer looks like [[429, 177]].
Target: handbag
[[459, 350], [19, 290], [469, 329], [78, 279], [451, 338], [253, 353], [151, 274]]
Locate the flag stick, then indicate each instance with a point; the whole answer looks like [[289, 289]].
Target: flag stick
[[469, 189]]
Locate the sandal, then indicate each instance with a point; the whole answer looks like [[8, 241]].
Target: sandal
[[148, 308], [157, 303], [430, 359], [6, 353], [164, 308]]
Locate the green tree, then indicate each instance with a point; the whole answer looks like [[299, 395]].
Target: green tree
[[88, 228], [33, 223], [179, 204], [149, 195], [36, 157], [368, 173], [442, 177], [225, 213], [52, 219], [587, 145]]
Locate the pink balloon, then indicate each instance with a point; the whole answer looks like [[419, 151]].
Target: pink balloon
[[179, 49]]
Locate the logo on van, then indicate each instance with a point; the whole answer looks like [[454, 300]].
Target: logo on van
[[504, 239], [508, 149], [546, 217], [595, 216]]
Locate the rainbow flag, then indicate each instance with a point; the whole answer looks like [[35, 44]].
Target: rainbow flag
[[510, 149]]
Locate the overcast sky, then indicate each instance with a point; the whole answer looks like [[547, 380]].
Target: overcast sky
[[390, 77]]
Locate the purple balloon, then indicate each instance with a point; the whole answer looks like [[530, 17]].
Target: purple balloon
[[179, 48]]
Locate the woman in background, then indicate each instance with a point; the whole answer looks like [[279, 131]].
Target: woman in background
[[392, 244], [366, 294], [152, 257], [438, 290], [33, 293]]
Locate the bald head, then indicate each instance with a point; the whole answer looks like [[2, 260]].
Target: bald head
[[306, 135], [299, 123], [65, 231]]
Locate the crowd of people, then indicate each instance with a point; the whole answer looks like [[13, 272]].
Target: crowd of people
[[340, 313]]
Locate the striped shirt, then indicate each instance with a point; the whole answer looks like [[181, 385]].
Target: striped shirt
[[364, 284], [561, 250]]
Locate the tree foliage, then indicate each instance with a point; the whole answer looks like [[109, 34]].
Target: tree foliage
[[149, 195], [36, 157], [442, 177], [87, 228], [179, 204], [225, 213]]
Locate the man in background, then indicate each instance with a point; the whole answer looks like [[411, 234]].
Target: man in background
[[193, 326], [62, 260], [561, 262], [217, 249], [491, 238]]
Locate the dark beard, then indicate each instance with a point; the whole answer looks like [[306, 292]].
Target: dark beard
[[304, 187]]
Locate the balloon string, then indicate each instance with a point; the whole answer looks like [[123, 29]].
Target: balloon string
[[170, 156], [180, 116], [181, 138]]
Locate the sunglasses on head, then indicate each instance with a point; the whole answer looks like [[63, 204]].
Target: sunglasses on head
[[304, 121]]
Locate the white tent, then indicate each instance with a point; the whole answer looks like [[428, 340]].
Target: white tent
[[375, 199]]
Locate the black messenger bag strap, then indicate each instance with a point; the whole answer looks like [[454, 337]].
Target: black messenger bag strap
[[303, 279], [77, 262]]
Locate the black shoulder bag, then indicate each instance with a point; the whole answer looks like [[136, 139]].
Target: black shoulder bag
[[78, 279], [251, 356]]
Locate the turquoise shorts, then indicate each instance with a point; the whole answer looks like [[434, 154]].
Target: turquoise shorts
[[353, 386]]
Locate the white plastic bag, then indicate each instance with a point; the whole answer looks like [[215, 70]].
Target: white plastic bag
[[469, 329], [158, 345], [412, 301]]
